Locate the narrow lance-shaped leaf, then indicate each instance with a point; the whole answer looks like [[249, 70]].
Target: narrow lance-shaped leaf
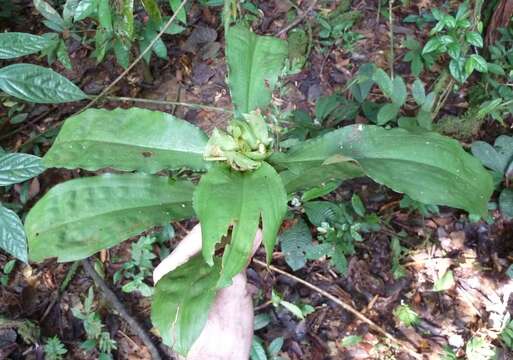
[[182, 301], [12, 236], [80, 217], [254, 62], [38, 84], [15, 44], [16, 168], [430, 168], [224, 197], [133, 139]]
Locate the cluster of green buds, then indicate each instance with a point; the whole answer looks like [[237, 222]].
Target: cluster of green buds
[[245, 144]]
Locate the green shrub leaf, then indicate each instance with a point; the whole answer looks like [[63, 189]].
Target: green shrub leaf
[[225, 197], [506, 203], [418, 92], [85, 9], [80, 217], [182, 300], [133, 139], [388, 112], [384, 82], [12, 236], [38, 84], [153, 10], [399, 93], [497, 157], [295, 243], [15, 44], [254, 62], [16, 168], [430, 168], [474, 38], [53, 20]]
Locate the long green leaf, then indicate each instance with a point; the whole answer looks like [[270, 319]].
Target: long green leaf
[[16, 168], [430, 168], [182, 301], [80, 217], [153, 10], [38, 84], [15, 44], [225, 197], [254, 62], [133, 139], [12, 236]]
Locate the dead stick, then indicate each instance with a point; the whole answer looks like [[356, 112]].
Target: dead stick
[[347, 307], [298, 20], [113, 300]]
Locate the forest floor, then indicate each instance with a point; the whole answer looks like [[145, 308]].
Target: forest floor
[[475, 301]]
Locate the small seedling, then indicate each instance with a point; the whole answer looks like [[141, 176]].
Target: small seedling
[[406, 315], [54, 349], [93, 326]]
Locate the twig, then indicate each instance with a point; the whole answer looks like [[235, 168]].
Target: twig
[[391, 25], [165, 102], [57, 124], [407, 347], [297, 20], [141, 55], [113, 300]]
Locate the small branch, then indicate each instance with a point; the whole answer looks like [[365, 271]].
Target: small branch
[[113, 300], [405, 346], [141, 55], [391, 25], [297, 20], [165, 102]]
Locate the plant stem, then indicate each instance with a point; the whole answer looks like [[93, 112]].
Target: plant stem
[[391, 26]]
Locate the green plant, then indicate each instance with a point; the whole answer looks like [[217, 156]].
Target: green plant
[[493, 95], [406, 315], [15, 168], [245, 183], [455, 36], [54, 349], [96, 336], [351, 340], [414, 55], [7, 269], [335, 27], [118, 29], [259, 351], [139, 267], [506, 335], [398, 270], [499, 159], [298, 311], [478, 348]]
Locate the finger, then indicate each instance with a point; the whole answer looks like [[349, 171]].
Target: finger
[[232, 316], [187, 248]]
